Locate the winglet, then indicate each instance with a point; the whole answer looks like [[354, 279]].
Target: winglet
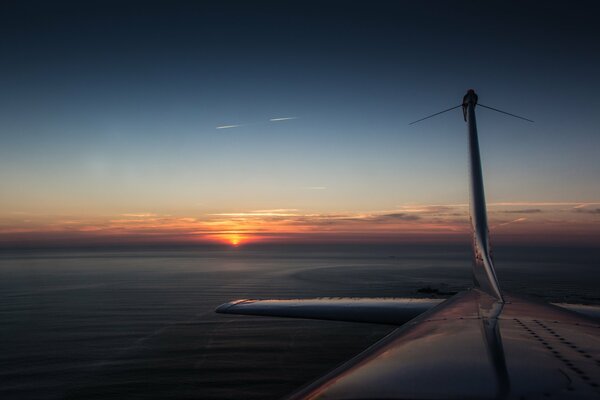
[[484, 274]]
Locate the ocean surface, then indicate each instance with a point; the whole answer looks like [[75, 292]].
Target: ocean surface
[[107, 324]]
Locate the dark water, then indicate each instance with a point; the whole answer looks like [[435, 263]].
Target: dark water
[[138, 325]]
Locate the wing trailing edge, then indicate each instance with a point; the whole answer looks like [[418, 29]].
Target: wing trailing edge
[[392, 311]]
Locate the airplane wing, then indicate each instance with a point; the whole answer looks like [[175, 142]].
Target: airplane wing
[[585, 309], [480, 344], [473, 347], [393, 311], [385, 310]]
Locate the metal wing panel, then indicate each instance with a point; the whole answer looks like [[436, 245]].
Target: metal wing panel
[[435, 361], [394, 311], [457, 351], [585, 309]]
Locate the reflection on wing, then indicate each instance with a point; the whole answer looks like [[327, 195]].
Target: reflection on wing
[[464, 349], [394, 311], [587, 310]]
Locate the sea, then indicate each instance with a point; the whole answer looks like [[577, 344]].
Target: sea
[[140, 323]]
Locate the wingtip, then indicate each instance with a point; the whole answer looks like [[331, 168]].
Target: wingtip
[[225, 307]]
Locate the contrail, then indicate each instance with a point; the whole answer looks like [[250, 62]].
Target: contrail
[[228, 126], [512, 222], [282, 119], [270, 120]]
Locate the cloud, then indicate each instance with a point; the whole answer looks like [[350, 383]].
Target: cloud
[[293, 217], [282, 119], [139, 215], [260, 213], [398, 217], [340, 219], [276, 210], [586, 210], [524, 211], [409, 221], [228, 126], [542, 204], [432, 210]]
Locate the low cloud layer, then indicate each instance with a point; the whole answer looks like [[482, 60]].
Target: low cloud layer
[[524, 211], [587, 210], [445, 223], [398, 217]]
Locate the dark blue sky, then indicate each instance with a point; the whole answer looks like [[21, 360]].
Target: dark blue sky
[[110, 108]]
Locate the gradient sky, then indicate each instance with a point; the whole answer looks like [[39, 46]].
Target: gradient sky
[[170, 121]]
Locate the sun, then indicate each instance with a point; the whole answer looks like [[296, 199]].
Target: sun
[[231, 239], [234, 240]]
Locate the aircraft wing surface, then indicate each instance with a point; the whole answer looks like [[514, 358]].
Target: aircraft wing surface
[[474, 347], [394, 311], [585, 309]]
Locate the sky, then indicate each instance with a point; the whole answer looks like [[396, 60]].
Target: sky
[[266, 121]]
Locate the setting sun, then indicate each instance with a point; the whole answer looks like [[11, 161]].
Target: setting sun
[[234, 239]]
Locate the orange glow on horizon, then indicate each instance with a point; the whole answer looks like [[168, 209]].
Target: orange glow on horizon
[[567, 222], [232, 239]]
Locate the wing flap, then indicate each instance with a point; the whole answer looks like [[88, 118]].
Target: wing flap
[[393, 311]]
